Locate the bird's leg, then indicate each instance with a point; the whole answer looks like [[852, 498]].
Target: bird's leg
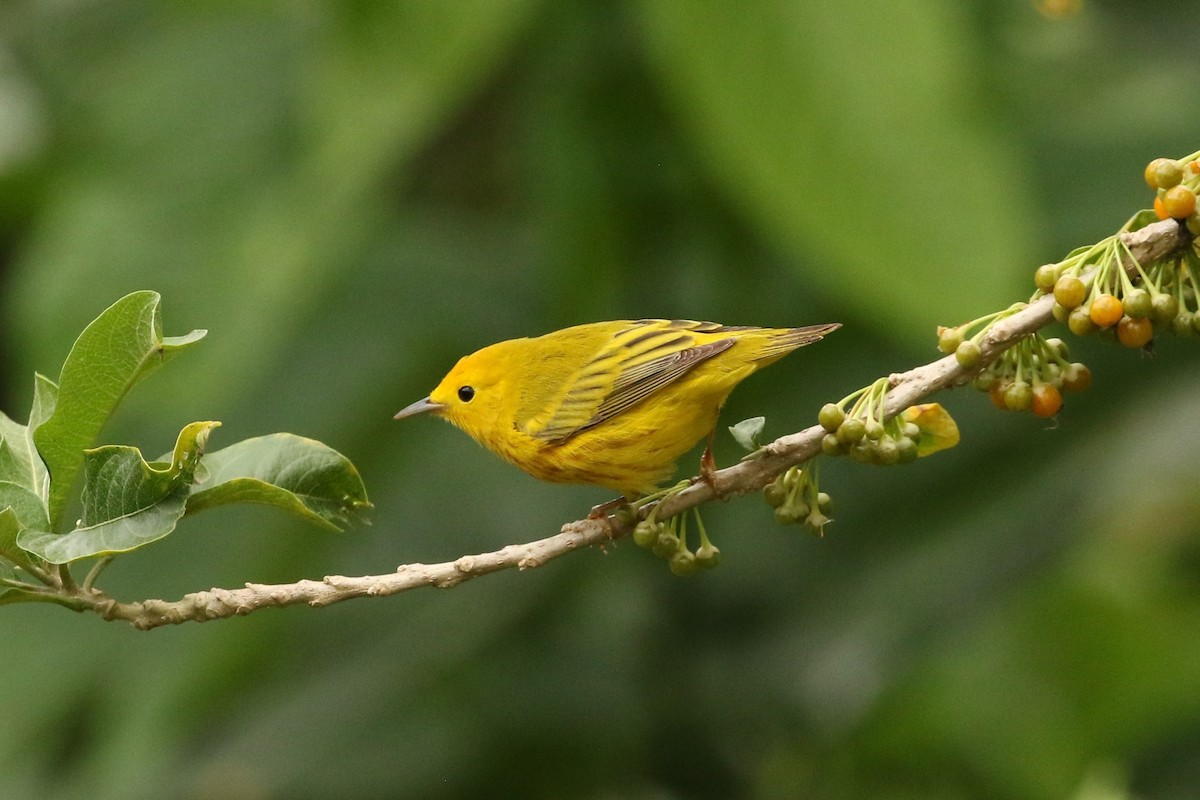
[[708, 465]]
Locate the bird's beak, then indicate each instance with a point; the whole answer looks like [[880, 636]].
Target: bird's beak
[[419, 407]]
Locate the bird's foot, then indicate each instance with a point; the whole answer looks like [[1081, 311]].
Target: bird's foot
[[604, 509], [708, 468]]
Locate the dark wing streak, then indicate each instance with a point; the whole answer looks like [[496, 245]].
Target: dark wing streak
[[647, 378]]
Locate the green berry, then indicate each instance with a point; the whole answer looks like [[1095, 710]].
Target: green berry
[[863, 451], [968, 354], [1018, 396], [949, 339], [708, 556], [1080, 322], [683, 563], [1069, 291], [831, 416], [1059, 311], [1137, 304], [831, 445], [645, 534], [824, 503], [851, 431], [889, 453], [984, 380], [1167, 173], [774, 493], [816, 522], [1045, 277], [874, 428], [1167, 167], [1193, 225], [1182, 324], [786, 515], [666, 544], [1164, 307], [907, 449], [910, 430]]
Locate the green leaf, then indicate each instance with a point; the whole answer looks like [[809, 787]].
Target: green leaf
[[28, 507], [20, 462], [115, 351], [127, 502], [301, 476], [119, 535], [747, 431], [10, 527]]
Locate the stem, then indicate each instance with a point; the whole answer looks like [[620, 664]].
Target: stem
[[95, 571], [65, 580]]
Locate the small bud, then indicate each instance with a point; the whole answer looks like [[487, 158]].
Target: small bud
[[830, 445], [774, 493], [666, 543], [851, 431], [831, 416], [708, 556], [968, 354], [683, 563], [645, 534], [949, 339]]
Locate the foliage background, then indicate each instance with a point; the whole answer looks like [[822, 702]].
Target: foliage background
[[351, 195]]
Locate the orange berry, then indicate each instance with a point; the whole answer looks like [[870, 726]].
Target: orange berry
[[1179, 202], [1194, 166], [1135, 332], [1160, 210], [996, 394], [1076, 377], [1047, 400], [1106, 311]]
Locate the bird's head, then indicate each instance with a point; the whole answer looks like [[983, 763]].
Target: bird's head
[[472, 395]]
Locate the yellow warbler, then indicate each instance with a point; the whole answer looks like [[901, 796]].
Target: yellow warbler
[[609, 403]]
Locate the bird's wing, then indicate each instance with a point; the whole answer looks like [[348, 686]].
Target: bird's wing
[[631, 365]]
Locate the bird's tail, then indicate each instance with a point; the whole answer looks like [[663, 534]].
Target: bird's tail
[[781, 341]]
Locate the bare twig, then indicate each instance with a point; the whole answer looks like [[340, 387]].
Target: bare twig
[[1147, 245]]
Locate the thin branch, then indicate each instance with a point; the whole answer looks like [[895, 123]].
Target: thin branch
[[1147, 246], [220, 603]]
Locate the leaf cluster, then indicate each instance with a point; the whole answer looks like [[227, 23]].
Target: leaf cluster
[[127, 501]]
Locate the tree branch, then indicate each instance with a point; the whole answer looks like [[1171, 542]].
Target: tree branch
[[1147, 245]]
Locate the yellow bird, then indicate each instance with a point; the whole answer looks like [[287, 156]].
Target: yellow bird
[[612, 404]]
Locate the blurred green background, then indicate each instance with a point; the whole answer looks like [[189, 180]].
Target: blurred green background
[[351, 195]]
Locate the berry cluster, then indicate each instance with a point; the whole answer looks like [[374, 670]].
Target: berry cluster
[[1103, 289], [864, 433], [797, 498], [669, 540], [963, 340], [1174, 184], [1032, 375], [1106, 298]]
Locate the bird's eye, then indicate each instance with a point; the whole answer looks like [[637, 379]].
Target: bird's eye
[[466, 393]]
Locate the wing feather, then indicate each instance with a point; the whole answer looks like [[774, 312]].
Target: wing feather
[[632, 365]]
